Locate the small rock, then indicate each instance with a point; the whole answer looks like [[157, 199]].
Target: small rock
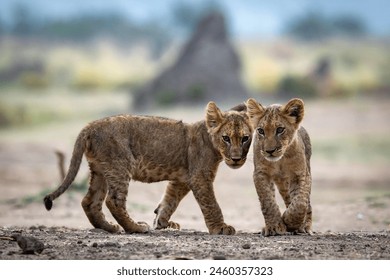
[[111, 244], [246, 246], [181, 258], [360, 216], [94, 244], [219, 257], [29, 244], [98, 230]]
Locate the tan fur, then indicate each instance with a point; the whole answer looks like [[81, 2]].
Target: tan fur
[[282, 152], [151, 149]]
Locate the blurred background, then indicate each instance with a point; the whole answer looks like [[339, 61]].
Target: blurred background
[[65, 63]]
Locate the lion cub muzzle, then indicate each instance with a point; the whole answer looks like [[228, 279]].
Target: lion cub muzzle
[[272, 154], [237, 156], [235, 162]]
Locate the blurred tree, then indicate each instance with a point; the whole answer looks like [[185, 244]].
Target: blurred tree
[[2, 31], [349, 25], [24, 22], [315, 26], [85, 27], [312, 26], [158, 37]]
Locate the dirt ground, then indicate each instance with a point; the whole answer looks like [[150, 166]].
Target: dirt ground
[[68, 244], [350, 198]]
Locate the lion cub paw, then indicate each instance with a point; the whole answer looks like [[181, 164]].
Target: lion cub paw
[[140, 227], [173, 225], [144, 227], [109, 227], [224, 230], [306, 230], [161, 224], [278, 229]]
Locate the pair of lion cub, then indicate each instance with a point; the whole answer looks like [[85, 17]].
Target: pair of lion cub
[[151, 149]]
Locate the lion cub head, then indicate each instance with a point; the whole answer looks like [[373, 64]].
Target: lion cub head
[[231, 134], [276, 126]]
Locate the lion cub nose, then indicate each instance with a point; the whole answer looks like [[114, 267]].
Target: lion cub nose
[[270, 152]]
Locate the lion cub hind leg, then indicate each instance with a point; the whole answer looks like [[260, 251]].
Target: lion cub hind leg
[[116, 203], [92, 204], [174, 193]]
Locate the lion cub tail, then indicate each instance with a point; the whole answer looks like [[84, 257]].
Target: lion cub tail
[[74, 167]]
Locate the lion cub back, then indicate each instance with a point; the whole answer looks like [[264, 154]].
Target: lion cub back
[[150, 147]]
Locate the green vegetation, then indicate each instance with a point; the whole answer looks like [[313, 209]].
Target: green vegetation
[[355, 66], [196, 92], [291, 86], [23, 108], [165, 98], [76, 187], [362, 149], [315, 26]]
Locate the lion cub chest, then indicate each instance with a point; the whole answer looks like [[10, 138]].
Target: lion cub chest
[[289, 169]]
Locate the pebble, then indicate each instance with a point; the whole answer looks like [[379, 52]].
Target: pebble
[[29, 244], [219, 257], [360, 216], [111, 244], [246, 246]]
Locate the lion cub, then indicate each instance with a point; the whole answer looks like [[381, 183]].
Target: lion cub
[[152, 149], [282, 152]]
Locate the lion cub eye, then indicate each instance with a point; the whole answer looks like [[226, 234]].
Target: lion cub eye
[[279, 130], [244, 139], [226, 139], [260, 131]]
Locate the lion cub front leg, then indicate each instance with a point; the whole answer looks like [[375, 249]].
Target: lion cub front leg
[[204, 195], [274, 224], [297, 216], [174, 193], [308, 221]]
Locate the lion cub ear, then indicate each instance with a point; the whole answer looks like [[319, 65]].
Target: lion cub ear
[[255, 111], [214, 116], [294, 110]]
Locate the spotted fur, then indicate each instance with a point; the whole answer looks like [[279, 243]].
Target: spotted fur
[[152, 149], [282, 152]]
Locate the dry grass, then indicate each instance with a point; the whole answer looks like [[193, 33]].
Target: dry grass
[[357, 65]]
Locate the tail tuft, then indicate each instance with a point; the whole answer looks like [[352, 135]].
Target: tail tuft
[[48, 203]]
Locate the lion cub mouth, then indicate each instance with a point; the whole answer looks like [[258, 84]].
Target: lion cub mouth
[[235, 164], [273, 158]]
